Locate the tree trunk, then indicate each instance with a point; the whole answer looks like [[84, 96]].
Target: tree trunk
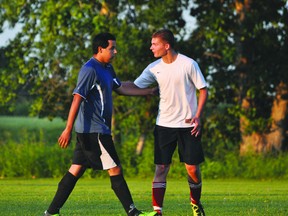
[[276, 138], [140, 144]]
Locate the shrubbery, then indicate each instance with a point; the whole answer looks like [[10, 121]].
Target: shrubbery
[[33, 160], [28, 148], [37, 160], [249, 167]]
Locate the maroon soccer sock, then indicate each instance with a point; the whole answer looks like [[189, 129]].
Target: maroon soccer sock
[[158, 192], [195, 192]]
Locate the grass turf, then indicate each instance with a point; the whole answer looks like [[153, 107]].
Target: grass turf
[[95, 197]]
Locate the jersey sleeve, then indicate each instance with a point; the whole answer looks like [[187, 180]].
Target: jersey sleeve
[[116, 83], [85, 81], [116, 80], [145, 79], [197, 76]]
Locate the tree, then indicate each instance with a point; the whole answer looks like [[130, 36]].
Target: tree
[[48, 52], [244, 44], [52, 45], [54, 42]]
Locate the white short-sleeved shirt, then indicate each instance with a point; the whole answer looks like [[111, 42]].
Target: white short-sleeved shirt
[[177, 82]]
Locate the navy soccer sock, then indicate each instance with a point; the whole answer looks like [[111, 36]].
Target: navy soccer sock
[[65, 187], [122, 191]]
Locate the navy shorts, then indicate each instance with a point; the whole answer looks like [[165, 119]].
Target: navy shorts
[[166, 140], [97, 151]]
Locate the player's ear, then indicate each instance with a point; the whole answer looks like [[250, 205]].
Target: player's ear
[[100, 49], [167, 46]]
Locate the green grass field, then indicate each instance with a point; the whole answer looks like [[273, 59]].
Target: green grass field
[[95, 197]]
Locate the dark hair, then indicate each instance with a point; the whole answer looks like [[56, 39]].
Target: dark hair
[[102, 41], [166, 35]]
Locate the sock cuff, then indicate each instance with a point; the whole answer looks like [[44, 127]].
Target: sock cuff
[[70, 175], [159, 184], [194, 185], [68, 179], [117, 180], [117, 177]]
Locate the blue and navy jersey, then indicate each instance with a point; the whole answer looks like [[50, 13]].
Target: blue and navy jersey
[[95, 84]]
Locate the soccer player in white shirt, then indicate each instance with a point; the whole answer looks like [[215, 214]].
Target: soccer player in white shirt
[[178, 120]]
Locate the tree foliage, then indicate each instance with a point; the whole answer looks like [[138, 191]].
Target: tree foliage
[[54, 42], [244, 49], [241, 47]]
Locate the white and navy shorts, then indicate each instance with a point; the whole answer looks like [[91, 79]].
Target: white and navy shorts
[[166, 140], [96, 151]]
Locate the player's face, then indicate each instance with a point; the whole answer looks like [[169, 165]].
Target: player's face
[[159, 47], [109, 52]]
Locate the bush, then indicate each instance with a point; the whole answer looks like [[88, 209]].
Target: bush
[[35, 153], [33, 160], [252, 166]]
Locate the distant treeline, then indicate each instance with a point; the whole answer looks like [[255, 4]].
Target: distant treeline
[[28, 148]]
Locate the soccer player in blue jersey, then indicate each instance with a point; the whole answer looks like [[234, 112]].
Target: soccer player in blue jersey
[[92, 105]]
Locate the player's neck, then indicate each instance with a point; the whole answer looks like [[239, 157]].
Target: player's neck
[[99, 59], [170, 57]]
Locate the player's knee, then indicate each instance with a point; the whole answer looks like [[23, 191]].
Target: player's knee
[[81, 172], [77, 170], [194, 174], [161, 171], [162, 168], [115, 171]]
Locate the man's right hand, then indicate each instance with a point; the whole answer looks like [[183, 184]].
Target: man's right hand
[[64, 139]]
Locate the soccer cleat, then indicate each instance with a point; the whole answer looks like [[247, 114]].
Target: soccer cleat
[[154, 213], [46, 213], [197, 210]]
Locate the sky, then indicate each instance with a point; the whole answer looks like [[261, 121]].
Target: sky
[[9, 33]]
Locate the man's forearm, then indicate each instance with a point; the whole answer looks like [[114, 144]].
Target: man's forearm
[[129, 88], [203, 95]]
